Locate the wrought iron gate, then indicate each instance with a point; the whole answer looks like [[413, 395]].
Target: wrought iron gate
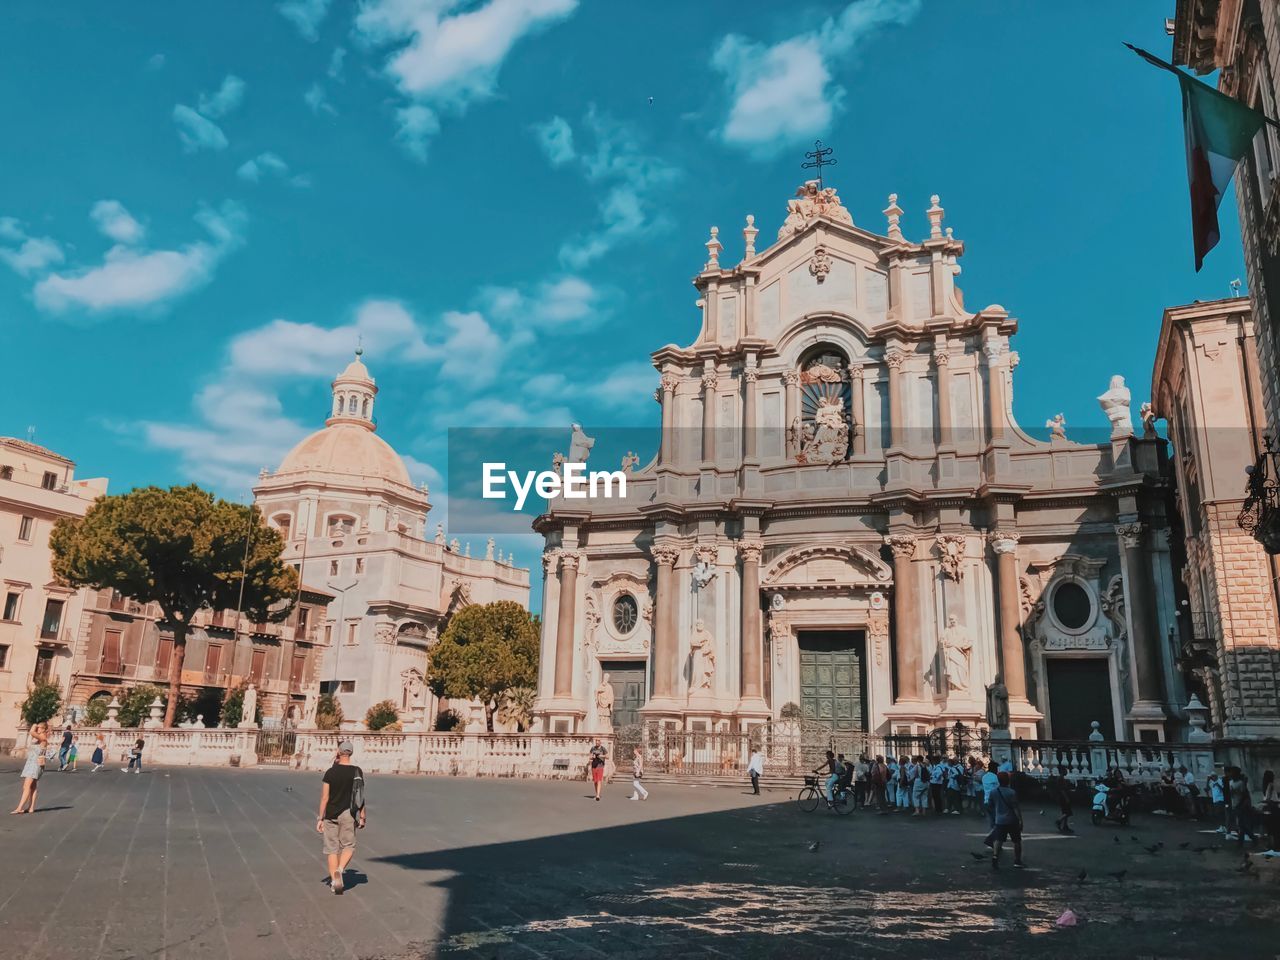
[[276, 746]]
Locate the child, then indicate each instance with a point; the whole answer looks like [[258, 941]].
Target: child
[[99, 749], [71, 757]]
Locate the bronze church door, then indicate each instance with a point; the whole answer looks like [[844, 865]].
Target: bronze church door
[[627, 679], [833, 687]]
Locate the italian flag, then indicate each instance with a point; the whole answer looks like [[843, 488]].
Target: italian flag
[[1219, 131]]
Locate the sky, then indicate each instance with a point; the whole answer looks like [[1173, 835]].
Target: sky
[[205, 207]]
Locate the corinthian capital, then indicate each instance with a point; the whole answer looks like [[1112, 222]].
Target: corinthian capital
[[550, 560], [665, 553], [1005, 541], [791, 378], [710, 379], [942, 357], [669, 382], [569, 560], [902, 545], [1130, 534], [750, 550], [751, 374], [894, 358]]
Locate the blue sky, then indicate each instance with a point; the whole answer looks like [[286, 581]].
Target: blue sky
[[203, 206]]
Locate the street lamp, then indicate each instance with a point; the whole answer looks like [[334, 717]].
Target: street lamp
[[1260, 515]]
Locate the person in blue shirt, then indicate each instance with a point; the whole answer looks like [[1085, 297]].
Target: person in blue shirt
[[990, 782], [1008, 818], [955, 781], [891, 785], [920, 787], [937, 780]]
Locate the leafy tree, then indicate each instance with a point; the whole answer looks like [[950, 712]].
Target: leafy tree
[[517, 707], [486, 650], [42, 703], [135, 705], [447, 720], [95, 711], [381, 715], [205, 705], [328, 712], [180, 548]]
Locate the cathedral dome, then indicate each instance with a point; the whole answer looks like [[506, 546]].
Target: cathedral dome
[[348, 444], [346, 448]]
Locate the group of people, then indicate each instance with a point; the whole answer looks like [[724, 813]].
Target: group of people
[[912, 784], [39, 752]]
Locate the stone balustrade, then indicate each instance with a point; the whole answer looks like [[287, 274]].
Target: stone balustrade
[[545, 756], [1139, 763]]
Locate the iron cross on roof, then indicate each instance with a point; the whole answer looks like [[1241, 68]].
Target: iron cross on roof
[[817, 159]]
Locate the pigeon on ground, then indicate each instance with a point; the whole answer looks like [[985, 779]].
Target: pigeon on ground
[[978, 856], [1119, 875], [1116, 839], [1153, 849], [1082, 876], [1183, 846], [813, 845], [1134, 839]]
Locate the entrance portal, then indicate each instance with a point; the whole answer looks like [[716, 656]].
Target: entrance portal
[[833, 685], [1079, 692], [627, 678]]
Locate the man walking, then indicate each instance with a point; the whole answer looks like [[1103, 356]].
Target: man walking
[[755, 767], [65, 748], [341, 812], [1008, 817], [596, 765]]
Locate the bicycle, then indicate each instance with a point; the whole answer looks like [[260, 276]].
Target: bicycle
[[811, 795]]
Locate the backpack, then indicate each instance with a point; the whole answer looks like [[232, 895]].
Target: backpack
[[357, 793]]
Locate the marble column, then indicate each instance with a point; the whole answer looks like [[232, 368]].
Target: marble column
[[791, 429], [749, 448], [668, 388], [1013, 668], [752, 635], [710, 380], [566, 612], [942, 360], [1142, 616], [906, 616], [894, 358], [666, 621], [996, 402], [858, 396]]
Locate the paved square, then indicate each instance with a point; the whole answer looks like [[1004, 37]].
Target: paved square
[[195, 863]]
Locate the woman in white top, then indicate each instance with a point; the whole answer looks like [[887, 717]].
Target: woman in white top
[[638, 792]]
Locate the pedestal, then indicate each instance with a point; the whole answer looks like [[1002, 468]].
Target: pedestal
[[910, 718], [1024, 719], [1147, 721], [1001, 746], [559, 715]]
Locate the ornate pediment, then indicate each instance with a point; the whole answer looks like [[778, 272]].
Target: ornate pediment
[[819, 567]]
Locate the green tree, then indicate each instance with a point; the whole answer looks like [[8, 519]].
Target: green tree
[[42, 704], [517, 707], [485, 651], [182, 549], [328, 712], [381, 715], [135, 705], [95, 711], [448, 720]]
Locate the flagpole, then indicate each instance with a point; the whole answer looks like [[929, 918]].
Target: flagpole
[[1185, 77]]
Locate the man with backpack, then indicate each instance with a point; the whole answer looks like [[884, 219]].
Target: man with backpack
[[342, 811]]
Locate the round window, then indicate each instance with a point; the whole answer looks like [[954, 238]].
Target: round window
[[1071, 605], [625, 613]]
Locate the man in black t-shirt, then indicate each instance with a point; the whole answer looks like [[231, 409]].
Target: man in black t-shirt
[[335, 821]]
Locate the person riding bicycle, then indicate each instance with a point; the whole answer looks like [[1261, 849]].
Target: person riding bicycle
[[845, 783], [829, 765]]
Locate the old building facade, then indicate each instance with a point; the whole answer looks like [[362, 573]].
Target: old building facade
[[38, 616], [844, 516], [1206, 385], [355, 525]]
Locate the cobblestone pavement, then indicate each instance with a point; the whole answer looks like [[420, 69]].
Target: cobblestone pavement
[[192, 863]]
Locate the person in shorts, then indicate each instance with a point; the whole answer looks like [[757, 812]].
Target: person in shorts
[[335, 822], [596, 765]]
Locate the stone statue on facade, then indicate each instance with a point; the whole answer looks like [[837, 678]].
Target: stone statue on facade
[[951, 555], [703, 658], [704, 571], [580, 445], [488, 549], [829, 440], [630, 461], [957, 650], [604, 703], [412, 683], [249, 707], [440, 534], [997, 706], [812, 201], [1115, 404], [1147, 414], [1057, 428]]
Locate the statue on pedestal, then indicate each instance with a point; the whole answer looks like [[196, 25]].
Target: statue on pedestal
[[580, 445], [703, 658], [604, 704], [998, 706], [1115, 404], [955, 648], [249, 711]]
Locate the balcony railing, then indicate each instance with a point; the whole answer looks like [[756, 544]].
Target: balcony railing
[[1260, 515]]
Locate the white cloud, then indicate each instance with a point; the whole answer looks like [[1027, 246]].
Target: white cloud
[[555, 303], [224, 100], [197, 132], [783, 93], [116, 223], [31, 254], [306, 15], [630, 178], [132, 278], [336, 60], [264, 165], [416, 126], [556, 139], [446, 54], [315, 98]]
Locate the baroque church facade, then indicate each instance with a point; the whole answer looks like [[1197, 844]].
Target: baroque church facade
[[844, 516], [355, 525]]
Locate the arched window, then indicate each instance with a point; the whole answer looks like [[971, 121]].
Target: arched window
[[364, 410], [282, 522], [821, 431]]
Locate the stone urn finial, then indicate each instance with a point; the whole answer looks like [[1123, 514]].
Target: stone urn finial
[[113, 714], [156, 710], [714, 246], [1096, 732]]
